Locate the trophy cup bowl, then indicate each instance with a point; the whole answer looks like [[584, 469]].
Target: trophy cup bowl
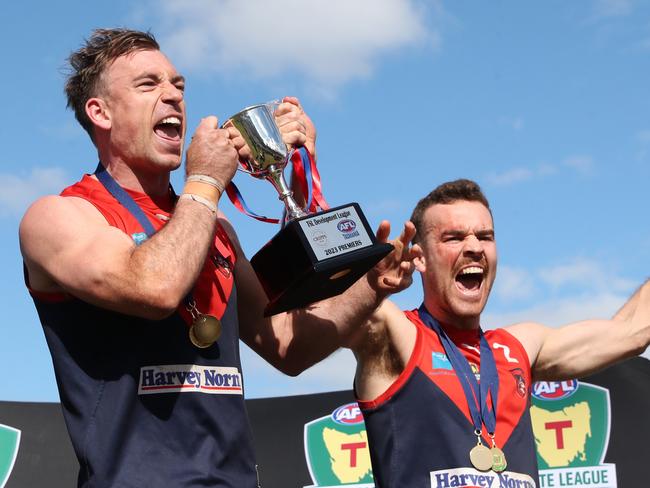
[[269, 153], [314, 256]]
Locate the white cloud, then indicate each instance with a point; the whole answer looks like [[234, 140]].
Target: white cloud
[[329, 42], [514, 175], [516, 123], [582, 164], [586, 274], [18, 192], [513, 283], [645, 44], [644, 135], [561, 311], [644, 140], [546, 169], [613, 8]]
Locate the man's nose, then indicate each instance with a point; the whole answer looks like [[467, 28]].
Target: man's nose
[[171, 93], [472, 245]]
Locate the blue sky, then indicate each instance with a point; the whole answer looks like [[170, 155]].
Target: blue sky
[[545, 104]]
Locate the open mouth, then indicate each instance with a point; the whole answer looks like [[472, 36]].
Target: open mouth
[[469, 279], [169, 128]]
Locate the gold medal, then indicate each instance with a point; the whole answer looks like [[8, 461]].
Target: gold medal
[[481, 457], [205, 330], [499, 462]]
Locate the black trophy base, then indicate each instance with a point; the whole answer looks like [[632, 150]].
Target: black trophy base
[[317, 257]]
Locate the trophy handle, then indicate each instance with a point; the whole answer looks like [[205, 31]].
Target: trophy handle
[[254, 174]]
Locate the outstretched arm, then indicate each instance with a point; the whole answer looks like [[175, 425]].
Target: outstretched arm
[[294, 341], [582, 348]]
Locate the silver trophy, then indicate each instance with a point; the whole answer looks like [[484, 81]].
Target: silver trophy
[[269, 153], [314, 256]]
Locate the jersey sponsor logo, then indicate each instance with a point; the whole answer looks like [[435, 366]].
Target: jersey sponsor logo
[[139, 237], [439, 360], [189, 378], [9, 444], [554, 390], [506, 352], [348, 414], [336, 449], [471, 478], [572, 435]]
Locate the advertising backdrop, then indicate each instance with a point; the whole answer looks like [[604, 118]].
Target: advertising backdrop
[[590, 433]]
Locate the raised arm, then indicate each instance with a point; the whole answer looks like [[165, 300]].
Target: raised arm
[[582, 348], [294, 341], [69, 247]]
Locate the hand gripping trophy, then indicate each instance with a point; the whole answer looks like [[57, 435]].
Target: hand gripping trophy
[[314, 256]]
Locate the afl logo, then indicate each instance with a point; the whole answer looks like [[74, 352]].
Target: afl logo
[[347, 414], [346, 226], [554, 390]]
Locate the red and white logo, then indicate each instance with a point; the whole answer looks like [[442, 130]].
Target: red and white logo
[[554, 390], [346, 226], [348, 414]]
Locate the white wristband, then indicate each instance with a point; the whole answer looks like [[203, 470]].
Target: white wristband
[[206, 179], [199, 199]]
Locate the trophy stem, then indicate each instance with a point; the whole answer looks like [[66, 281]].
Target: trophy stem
[[276, 177]]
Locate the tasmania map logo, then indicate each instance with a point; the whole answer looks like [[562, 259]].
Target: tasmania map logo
[[571, 423]]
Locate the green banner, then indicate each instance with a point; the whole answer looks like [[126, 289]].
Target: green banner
[[9, 442]]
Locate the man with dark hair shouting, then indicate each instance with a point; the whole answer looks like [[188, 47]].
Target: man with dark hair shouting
[[446, 404]]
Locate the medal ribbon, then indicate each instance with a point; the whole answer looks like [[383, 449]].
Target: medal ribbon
[[306, 173], [134, 209], [475, 394], [124, 198]]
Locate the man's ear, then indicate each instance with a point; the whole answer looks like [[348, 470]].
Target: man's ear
[[418, 258], [98, 113]]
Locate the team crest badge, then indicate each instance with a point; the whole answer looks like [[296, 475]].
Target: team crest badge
[[571, 423], [9, 442], [518, 375], [336, 449]]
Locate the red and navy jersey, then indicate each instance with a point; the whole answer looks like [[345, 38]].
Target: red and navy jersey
[[143, 406], [420, 431]]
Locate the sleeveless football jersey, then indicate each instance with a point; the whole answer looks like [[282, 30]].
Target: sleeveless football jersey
[[420, 431], [143, 406]]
